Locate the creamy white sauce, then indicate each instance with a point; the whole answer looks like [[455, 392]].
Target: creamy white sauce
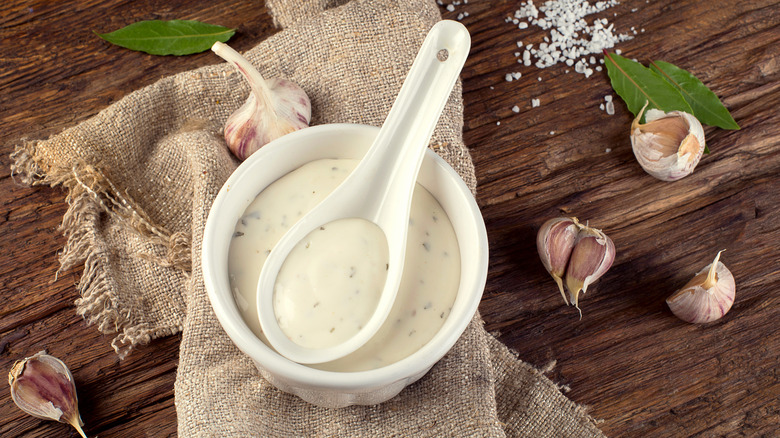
[[330, 283], [431, 270]]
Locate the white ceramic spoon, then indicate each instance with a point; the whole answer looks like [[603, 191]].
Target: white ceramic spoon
[[379, 189]]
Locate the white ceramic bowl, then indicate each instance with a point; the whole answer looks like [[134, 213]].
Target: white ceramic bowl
[[328, 388]]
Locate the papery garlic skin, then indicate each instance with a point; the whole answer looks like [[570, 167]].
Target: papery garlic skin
[[275, 107], [42, 386], [592, 256], [554, 242], [669, 145], [707, 297], [576, 252]]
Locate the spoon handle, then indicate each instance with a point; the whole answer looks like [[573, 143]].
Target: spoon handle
[[399, 148]]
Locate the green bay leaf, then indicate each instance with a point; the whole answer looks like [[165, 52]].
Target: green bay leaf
[[637, 84], [175, 37], [705, 104]]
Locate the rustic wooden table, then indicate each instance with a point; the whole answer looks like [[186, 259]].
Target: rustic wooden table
[[639, 369]]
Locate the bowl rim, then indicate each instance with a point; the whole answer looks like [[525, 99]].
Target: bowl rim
[[242, 336]]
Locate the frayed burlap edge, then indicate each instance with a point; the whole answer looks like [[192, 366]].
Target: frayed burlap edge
[[514, 370], [89, 195]]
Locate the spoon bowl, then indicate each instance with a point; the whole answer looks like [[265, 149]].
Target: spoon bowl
[[379, 190]]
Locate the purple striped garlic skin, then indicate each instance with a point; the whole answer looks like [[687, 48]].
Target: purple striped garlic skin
[[592, 256], [274, 108], [574, 252], [554, 242], [707, 296], [42, 386]]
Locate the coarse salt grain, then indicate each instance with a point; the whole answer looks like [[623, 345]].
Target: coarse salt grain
[[571, 38], [601, 107], [515, 109], [610, 108], [535, 103], [608, 98], [498, 123], [608, 150]]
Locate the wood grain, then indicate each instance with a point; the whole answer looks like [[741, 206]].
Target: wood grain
[[641, 371]]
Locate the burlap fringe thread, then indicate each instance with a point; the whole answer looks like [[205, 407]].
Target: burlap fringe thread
[[89, 195]]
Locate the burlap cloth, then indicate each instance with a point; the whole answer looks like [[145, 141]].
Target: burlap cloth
[[142, 174]]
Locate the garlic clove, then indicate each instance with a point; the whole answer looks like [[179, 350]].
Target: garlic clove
[[554, 242], [42, 386], [576, 252], [591, 258], [669, 145], [707, 297], [274, 108]]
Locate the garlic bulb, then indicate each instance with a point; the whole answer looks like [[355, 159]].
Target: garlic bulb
[[274, 108], [669, 145], [707, 297], [580, 252], [42, 386]]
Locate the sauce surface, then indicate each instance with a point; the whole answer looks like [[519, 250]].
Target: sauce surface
[[431, 270]]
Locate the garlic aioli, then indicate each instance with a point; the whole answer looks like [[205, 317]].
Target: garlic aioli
[[330, 283], [431, 270]]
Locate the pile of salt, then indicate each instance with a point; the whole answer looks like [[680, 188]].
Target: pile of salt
[[567, 41]]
